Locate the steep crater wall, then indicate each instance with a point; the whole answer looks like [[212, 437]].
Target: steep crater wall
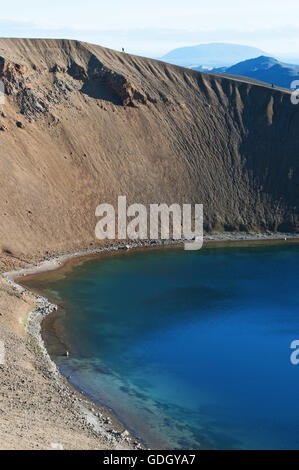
[[82, 124]]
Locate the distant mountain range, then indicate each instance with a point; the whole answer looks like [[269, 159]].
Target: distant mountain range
[[235, 59], [265, 69], [211, 55]]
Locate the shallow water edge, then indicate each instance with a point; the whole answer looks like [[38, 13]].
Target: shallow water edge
[[68, 262]]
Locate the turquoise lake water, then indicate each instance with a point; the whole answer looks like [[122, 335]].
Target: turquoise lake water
[[190, 349]]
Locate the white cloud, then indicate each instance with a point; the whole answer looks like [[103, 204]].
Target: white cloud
[[153, 28]]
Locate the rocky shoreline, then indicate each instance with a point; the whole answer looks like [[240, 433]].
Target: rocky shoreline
[[98, 419], [57, 262]]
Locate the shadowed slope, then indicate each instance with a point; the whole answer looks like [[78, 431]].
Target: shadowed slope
[[94, 124]]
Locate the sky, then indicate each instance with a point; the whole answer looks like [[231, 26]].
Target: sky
[[152, 28]]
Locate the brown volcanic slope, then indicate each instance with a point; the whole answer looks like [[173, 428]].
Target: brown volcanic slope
[[97, 124]]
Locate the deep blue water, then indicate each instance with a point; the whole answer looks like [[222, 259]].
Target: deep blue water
[[190, 349]]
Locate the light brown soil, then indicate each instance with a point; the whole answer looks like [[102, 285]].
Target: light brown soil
[[98, 124], [82, 125], [36, 410]]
